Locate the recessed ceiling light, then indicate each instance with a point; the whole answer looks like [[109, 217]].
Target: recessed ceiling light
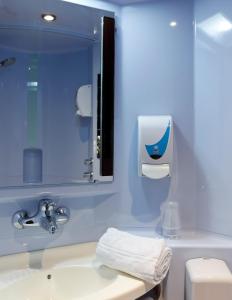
[[48, 17]]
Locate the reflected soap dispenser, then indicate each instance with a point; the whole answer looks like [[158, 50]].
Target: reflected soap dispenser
[[84, 101], [155, 141]]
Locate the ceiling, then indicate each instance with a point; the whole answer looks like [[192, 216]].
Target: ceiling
[[76, 27], [41, 41], [71, 17], [22, 28], [125, 2]]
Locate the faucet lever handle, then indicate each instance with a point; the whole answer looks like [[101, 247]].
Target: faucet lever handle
[[50, 209], [62, 215], [47, 207]]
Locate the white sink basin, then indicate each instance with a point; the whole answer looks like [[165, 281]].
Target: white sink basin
[[66, 273]]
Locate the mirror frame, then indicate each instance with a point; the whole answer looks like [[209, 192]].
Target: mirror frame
[[105, 106]]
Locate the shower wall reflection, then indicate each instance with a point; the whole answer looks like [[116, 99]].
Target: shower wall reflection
[[43, 140]]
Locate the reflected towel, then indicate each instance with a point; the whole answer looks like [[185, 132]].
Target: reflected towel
[[146, 258]]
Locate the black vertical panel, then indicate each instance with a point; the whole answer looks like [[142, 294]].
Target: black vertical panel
[[107, 97], [99, 105], [98, 116]]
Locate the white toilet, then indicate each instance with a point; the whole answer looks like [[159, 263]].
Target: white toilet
[[208, 279]]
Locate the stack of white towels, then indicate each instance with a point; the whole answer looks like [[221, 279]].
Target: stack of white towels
[[146, 258]]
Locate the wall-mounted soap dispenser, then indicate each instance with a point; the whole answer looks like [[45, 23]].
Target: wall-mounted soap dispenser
[[155, 143]]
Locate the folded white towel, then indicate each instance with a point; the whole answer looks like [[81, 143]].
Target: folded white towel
[[146, 258]]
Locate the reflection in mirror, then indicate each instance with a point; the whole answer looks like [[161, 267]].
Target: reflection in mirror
[[49, 70]]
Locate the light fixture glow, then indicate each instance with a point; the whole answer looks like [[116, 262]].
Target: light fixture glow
[[48, 17], [32, 84], [173, 24], [216, 26]]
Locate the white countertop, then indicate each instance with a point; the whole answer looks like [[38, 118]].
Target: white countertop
[[190, 244], [189, 239]]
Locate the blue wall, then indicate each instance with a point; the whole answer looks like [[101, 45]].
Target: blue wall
[[154, 75], [213, 106], [157, 78]]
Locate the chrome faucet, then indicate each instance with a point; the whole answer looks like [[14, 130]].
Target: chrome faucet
[[47, 217]]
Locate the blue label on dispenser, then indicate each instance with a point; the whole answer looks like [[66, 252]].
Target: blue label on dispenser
[[156, 151]]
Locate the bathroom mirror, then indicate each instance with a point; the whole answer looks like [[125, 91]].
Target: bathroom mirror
[[56, 93]]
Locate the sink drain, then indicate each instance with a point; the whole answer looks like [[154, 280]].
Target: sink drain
[[49, 276]]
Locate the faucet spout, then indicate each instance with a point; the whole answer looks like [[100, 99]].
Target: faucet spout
[[49, 224]]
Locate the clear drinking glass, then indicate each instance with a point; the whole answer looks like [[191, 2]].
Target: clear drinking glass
[[170, 220]]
